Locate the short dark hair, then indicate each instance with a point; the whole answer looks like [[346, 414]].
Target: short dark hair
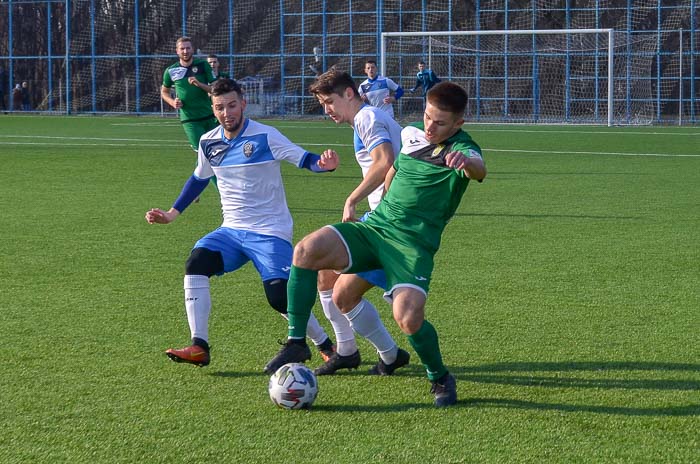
[[184, 38], [333, 81], [371, 61], [448, 96], [225, 85], [211, 55]]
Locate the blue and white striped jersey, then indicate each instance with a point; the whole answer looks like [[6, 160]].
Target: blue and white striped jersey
[[377, 90], [248, 175]]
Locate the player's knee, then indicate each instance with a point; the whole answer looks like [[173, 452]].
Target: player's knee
[[409, 315], [276, 293], [326, 279], [203, 261], [345, 300], [303, 253]]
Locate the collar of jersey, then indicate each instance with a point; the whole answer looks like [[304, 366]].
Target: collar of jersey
[[230, 141]]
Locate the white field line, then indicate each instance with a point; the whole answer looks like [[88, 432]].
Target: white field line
[[563, 152], [601, 132], [69, 141]]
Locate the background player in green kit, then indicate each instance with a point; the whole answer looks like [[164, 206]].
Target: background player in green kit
[[191, 78], [401, 236]]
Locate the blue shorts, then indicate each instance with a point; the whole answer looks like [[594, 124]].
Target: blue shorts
[[271, 256], [376, 277]]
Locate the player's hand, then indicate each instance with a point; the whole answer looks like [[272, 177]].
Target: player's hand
[[389, 100], [158, 216], [456, 160], [349, 212], [193, 81], [178, 103], [329, 160]]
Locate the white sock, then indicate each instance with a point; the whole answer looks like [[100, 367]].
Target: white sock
[[313, 329], [364, 319], [344, 335], [198, 305]]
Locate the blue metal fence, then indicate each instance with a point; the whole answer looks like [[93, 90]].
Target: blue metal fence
[[100, 56]]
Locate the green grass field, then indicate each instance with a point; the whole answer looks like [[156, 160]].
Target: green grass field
[[566, 295]]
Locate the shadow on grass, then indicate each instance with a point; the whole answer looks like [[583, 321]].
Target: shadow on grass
[[533, 375], [237, 374], [689, 410], [547, 216], [530, 374]]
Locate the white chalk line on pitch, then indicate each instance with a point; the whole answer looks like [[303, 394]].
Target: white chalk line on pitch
[[562, 152], [155, 143]]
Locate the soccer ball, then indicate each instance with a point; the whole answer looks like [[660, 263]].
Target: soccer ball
[[293, 386]]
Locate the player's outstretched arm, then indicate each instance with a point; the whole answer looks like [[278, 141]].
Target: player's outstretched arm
[[158, 216], [473, 166], [190, 191], [329, 160]]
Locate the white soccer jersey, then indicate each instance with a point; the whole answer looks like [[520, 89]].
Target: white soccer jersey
[[248, 176], [377, 90], [373, 127]]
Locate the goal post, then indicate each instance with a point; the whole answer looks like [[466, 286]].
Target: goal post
[[530, 76]]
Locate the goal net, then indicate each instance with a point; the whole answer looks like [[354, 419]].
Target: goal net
[[572, 76]]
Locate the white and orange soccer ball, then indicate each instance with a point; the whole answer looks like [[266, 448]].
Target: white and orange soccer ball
[[293, 386]]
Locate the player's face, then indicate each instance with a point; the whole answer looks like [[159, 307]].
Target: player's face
[[228, 109], [214, 63], [371, 70], [440, 125], [184, 52], [421, 66], [337, 107]]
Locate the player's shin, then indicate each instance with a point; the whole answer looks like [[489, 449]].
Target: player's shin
[[344, 336], [365, 320], [301, 296], [426, 344], [198, 305]]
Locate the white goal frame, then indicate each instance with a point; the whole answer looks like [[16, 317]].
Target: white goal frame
[[610, 46]]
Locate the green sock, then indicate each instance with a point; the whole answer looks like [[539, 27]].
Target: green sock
[[426, 344], [301, 296]]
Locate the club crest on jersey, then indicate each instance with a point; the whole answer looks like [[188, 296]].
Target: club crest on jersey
[[248, 149], [195, 69], [437, 151]]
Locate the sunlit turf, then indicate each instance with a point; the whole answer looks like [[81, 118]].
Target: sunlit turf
[[566, 295]]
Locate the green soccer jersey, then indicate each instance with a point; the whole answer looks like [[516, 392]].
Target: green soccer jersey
[[196, 104], [424, 194]]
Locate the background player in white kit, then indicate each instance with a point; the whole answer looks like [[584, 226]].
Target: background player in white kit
[[377, 140], [377, 90], [245, 157]]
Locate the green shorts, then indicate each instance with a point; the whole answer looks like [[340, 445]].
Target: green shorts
[[194, 130], [405, 262]]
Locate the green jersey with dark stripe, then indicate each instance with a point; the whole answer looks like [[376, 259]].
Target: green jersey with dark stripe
[[196, 105], [424, 193]]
